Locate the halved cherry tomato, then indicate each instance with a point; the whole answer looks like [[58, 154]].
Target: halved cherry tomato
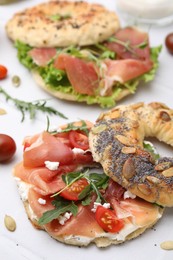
[[79, 140], [3, 72], [73, 191], [107, 219]]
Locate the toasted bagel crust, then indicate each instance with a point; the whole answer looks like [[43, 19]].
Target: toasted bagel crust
[[116, 141], [62, 23]]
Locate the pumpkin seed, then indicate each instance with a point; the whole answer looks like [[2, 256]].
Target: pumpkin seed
[[16, 81], [167, 245], [10, 223]]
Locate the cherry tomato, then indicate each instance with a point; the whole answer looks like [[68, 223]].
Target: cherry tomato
[[78, 140], [3, 72], [107, 220], [7, 147], [73, 191], [169, 42]]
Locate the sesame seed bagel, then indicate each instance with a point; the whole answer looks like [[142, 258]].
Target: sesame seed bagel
[[116, 141], [62, 23]]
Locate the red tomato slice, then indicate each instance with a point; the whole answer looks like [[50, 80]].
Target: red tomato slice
[[73, 191], [107, 219], [78, 140]]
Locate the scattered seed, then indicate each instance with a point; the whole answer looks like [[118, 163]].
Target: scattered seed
[[2, 111], [10, 223], [98, 129], [16, 81], [167, 245]]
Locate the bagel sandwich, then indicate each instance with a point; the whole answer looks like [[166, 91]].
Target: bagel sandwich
[[77, 51], [65, 193]]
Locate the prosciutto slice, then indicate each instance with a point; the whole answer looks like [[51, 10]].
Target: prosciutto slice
[[46, 148], [81, 74], [125, 70], [42, 56], [135, 39]]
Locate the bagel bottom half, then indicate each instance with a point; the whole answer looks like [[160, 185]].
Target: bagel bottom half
[[99, 241], [72, 96], [71, 203]]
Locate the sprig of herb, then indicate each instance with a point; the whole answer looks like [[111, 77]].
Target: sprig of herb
[[72, 126], [31, 107], [127, 44], [61, 206]]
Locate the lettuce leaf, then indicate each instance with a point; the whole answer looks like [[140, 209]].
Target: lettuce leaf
[[56, 80]]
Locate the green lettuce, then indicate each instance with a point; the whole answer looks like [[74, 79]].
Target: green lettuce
[[56, 80]]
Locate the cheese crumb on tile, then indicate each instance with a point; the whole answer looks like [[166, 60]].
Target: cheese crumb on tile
[[96, 204], [51, 165], [41, 201]]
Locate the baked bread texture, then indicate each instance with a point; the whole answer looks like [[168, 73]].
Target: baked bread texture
[[62, 23], [116, 141]]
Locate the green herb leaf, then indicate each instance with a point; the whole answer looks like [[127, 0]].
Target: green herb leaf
[[72, 126], [31, 107], [61, 208], [85, 192], [86, 201]]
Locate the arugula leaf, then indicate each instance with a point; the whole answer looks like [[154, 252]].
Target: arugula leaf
[[71, 126], [86, 201], [85, 192], [72, 177], [61, 207]]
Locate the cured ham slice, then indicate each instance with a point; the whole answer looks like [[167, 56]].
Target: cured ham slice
[[145, 213], [134, 38], [125, 70], [81, 74], [43, 180], [42, 56], [83, 224], [75, 225], [47, 148]]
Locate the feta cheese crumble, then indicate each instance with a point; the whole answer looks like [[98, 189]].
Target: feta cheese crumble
[[63, 218], [41, 201], [128, 194], [96, 204], [78, 151], [51, 165]]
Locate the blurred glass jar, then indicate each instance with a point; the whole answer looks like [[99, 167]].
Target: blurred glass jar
[[158, 12]]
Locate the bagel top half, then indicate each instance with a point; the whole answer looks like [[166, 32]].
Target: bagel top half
[[62, 23]]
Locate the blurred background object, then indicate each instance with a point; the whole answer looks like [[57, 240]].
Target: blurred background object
[[159, 12]]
